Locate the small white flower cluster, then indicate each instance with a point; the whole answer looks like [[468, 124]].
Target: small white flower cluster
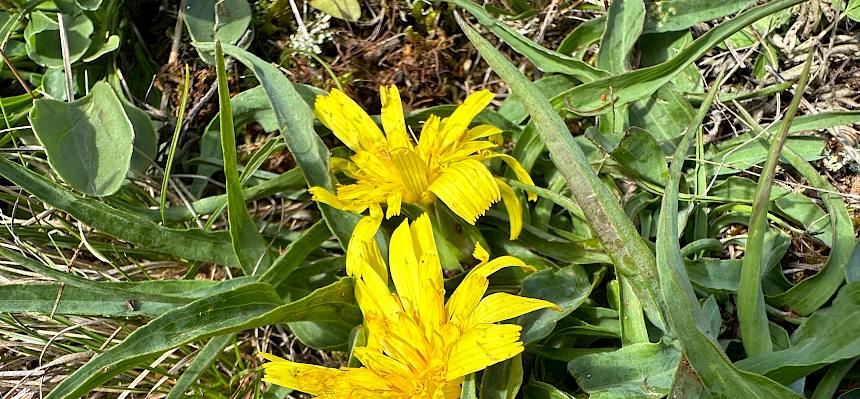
[[317, 34]]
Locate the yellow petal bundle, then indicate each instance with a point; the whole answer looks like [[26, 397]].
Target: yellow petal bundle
[[418, 346], [391, 168]]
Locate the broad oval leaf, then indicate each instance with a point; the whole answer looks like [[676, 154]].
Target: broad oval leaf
[[42, 37], [88, 142], [208, 20], [348, 10]]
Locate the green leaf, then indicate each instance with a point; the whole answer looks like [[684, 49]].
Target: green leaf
[[542, 390], [224, 20], [665, 115], [295, 119], [656, 48], [145, 137], [639, 155], [596, 97], [643, 370], [42, 37], [106, 299], [752, 318], [189, 244], [349, 10], [577, 42], [544, 59], [687, 320], [250, 247], [249, 306], [673, 15], [98, 130], [623, 26], [567, 287], [852, 270], [629, 253], [827, 336], [502, 380], [852, 10], [201, 362]]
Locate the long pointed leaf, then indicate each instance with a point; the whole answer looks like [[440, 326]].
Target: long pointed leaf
[[616, 232], [248, 244]]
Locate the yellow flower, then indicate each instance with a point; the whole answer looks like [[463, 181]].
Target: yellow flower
[[418, 346], [446, 163]]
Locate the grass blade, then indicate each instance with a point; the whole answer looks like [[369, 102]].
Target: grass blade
[[629, 253], [248, 244], [685, 315], [201, 362], [250, 306], [296, 121], [543, 58], [173, 142], [595, 97], [752, 317], [189, 244]]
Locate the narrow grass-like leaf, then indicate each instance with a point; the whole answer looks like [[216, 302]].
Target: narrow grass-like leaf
[[72, 300], [685, 315], [543, 58], [186, 87], [813, 292], [828, 385], [616, 232], [201, 362], [189, 244], [752, 317], [77, 296], [296, 122], [827, 336], [583, 36], [248, 244], [674, 15], [285, 183], [246, 307], [295, 254], [596, 97]]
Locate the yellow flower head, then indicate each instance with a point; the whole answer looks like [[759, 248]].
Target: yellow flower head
[[391, 168], [418, 345]]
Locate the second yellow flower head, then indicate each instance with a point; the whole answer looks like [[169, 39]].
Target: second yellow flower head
[[445, 162]]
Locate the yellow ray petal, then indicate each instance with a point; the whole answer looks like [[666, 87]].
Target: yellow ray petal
[[431, 305], [455, 126], [392, 118], [320, 194], [396, 373], [348, 121], [428, 141], [483, 346], [404, 268], [413, 173], [321, 381], [462, 303], [512, 205], [362, 250], [467, 188], [373, 297], [395, 200], [503, 306], [481, 131], [519, 171]]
